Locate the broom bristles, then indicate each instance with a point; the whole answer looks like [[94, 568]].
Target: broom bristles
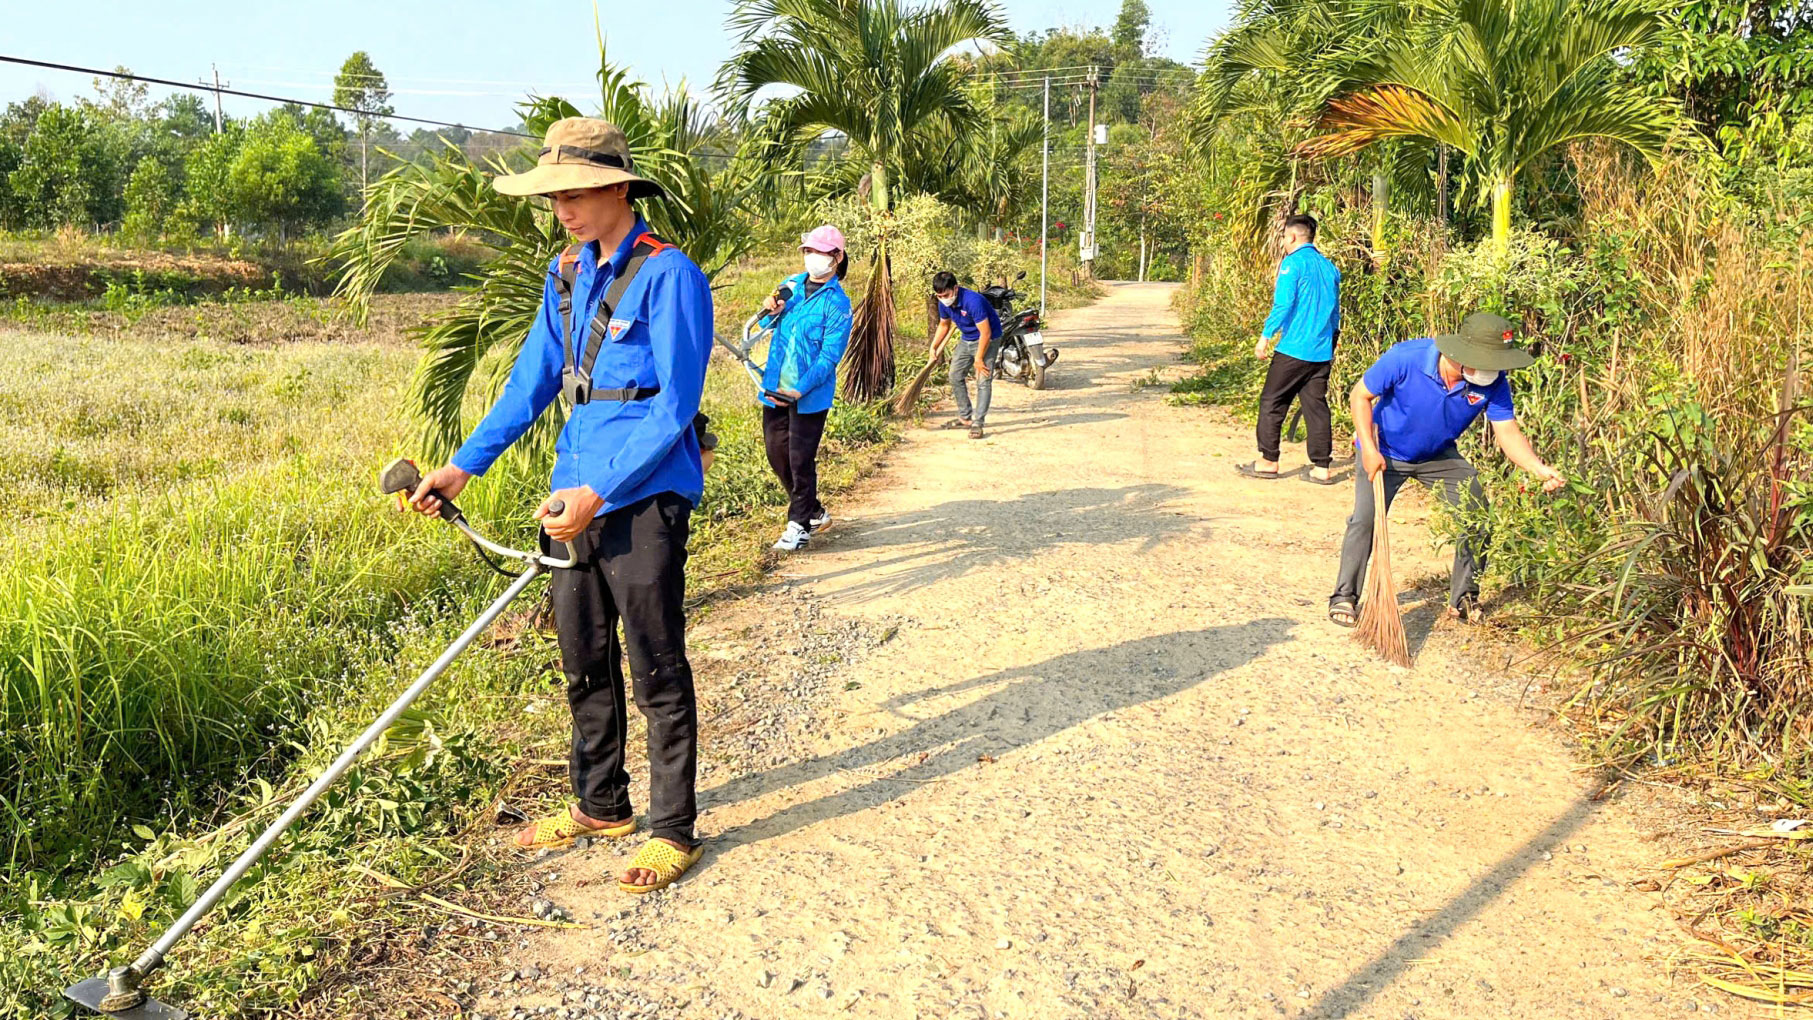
[[1380, 628], [909, 396]]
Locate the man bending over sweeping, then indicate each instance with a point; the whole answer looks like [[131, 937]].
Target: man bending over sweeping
[[1408, 410], [624, 334]]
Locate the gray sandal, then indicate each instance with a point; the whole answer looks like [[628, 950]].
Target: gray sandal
[[1343, 613]]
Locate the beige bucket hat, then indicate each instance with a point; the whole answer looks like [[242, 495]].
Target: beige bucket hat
[[579, 152]]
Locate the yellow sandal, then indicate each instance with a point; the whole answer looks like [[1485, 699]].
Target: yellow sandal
[[556, 831], [666, 861]]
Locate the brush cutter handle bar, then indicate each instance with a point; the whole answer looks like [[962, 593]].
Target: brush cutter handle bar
[[154, 956], [514, 554]]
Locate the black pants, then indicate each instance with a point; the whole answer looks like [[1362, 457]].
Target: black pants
[[631, 567], [792, 439], [1289, 379]]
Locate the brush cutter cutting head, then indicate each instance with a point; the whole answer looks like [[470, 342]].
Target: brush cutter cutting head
[[125, 1002]]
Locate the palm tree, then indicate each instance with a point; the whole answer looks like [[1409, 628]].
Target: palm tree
[[880, 74], [1503, 83], [1272, 74], [479, 337]]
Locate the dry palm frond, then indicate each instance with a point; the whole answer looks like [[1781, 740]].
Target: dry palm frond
[[1380, 627], [869, 363]]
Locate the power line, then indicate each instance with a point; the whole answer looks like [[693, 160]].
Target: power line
[[128, 76], [285, 99]]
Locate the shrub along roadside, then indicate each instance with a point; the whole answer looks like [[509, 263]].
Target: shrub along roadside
[[1670, 325]]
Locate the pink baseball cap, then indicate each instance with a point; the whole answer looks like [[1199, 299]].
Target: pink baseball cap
[[826, 239]]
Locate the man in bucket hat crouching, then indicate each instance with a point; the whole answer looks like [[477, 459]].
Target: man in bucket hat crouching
[[1408, 410], [623, 336]]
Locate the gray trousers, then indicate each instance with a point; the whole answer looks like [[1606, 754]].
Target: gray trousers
[[1455, 481], [963, 365]]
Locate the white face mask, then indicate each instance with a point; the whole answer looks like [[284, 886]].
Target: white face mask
[[948, 302], [1480, 376], [819, 265]]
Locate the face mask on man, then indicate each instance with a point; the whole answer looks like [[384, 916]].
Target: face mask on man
[[947, 302], [1480, 376], [819, 265]]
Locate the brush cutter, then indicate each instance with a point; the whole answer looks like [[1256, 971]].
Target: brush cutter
[[119, 993], [754, 333]]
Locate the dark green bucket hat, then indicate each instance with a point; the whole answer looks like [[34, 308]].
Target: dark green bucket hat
[[1485, 341]]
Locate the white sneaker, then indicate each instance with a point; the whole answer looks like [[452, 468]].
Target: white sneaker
[[793, 539], [819, 522]]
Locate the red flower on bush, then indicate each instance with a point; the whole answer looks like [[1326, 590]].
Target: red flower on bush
[[1217, 215]]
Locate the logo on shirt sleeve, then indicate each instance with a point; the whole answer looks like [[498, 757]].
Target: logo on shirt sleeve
[[617, 326], [1475, 398]]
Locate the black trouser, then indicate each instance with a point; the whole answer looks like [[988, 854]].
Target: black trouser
[[1288, 379], [631, 567], [1456, 482], [792, 439]]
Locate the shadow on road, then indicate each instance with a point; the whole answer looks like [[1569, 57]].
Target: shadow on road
[[966, 535], [1419, 941], [1026, 705]]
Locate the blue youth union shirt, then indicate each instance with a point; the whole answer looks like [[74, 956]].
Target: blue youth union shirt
[[970, 309], [1306, 306], [659, 336], [1418, 414]]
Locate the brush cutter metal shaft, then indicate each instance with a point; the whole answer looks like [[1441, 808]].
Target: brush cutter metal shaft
[[154, 957]]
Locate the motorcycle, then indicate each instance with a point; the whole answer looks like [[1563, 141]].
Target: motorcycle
[[1021, 354]]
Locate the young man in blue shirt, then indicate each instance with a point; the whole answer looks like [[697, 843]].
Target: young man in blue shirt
[[977, 324], [1305, 319], [1408, 410], [628, 469]]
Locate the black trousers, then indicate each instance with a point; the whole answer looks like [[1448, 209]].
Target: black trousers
[[792, 439], [631, 568], [1290, 379]]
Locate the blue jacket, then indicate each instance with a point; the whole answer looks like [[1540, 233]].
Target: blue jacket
[[660, 336], [1306, 305], [808, 343]]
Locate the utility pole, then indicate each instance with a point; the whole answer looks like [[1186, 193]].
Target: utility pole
[[1045, 201], [220, 126], [219, 121], [1087, 253]]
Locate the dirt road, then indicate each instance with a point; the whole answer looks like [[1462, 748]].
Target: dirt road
[[1068, 735]]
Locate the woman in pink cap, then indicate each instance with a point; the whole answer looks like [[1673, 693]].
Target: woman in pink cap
[[811, 329]]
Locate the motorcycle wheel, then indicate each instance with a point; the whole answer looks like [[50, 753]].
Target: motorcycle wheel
[[1035, 379]]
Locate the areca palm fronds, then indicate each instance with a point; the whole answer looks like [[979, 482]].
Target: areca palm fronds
[[878, 73], [1503, 83], [1272, 74], [995, 171], [475, 341]]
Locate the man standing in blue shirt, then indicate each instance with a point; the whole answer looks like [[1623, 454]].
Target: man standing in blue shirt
[[1305, 319], [624, 334], [978, 324], [1408, 410]]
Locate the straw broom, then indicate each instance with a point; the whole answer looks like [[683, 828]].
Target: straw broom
[[909, 395], [1380, 628]]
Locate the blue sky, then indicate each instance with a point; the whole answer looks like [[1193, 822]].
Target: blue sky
[[456, 60]]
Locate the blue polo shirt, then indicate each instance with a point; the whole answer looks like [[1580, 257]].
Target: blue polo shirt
[[1419, 415], [970, 309], [1306, 306], [660, 337]]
